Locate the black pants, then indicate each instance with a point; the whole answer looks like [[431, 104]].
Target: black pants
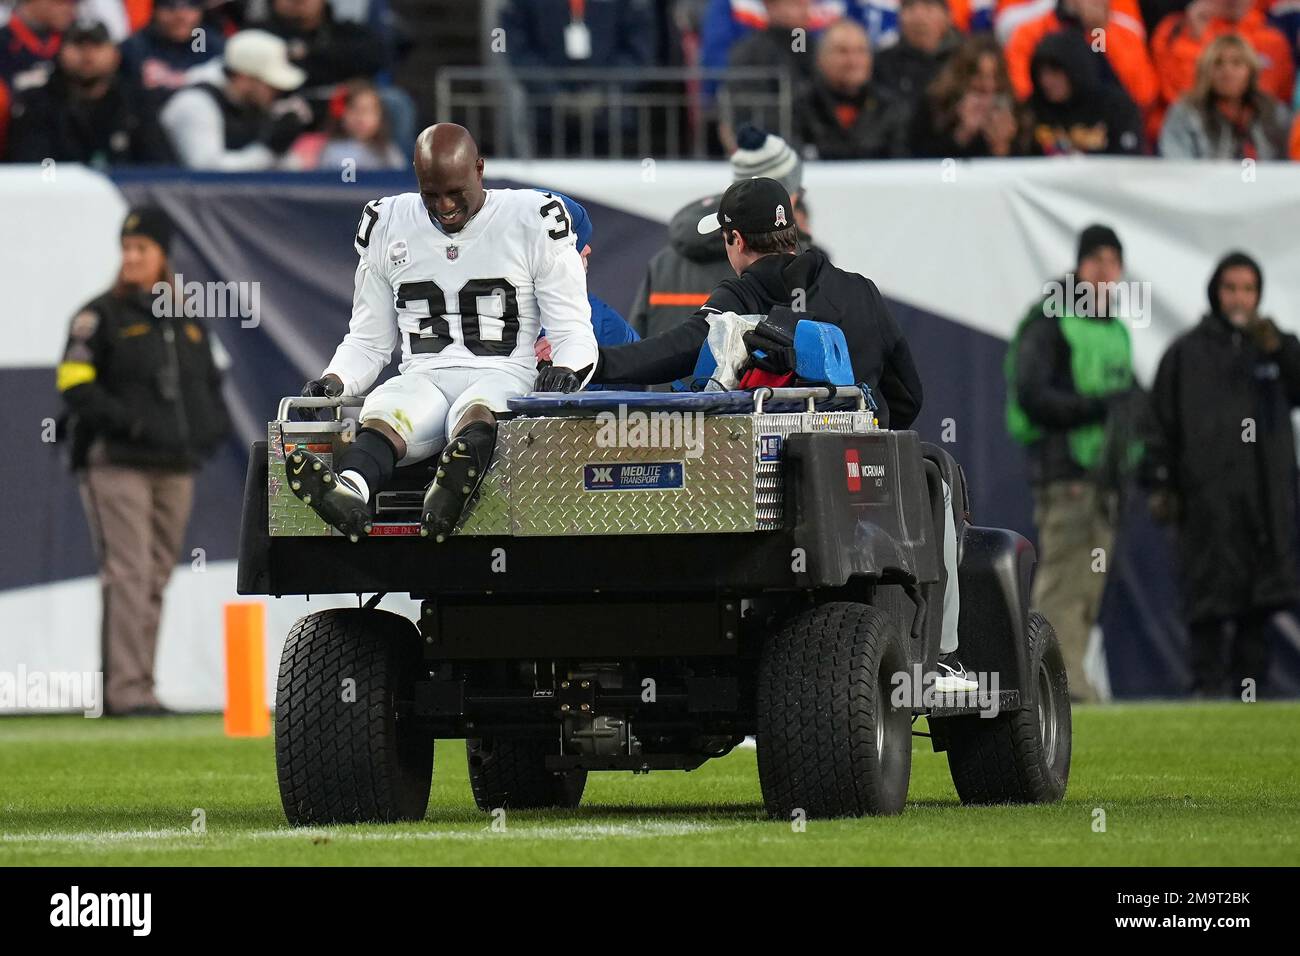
[[1225, 651]]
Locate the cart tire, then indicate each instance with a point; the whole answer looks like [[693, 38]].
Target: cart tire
[[341, 753], [1022, 756], [829, 743], [511, 773]]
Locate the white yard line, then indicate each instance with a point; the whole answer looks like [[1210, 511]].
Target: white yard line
[[580, 831]]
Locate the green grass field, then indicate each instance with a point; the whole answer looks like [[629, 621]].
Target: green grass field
[[1179, 784]]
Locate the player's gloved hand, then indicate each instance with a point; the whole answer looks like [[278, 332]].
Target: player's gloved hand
[[328, 386], [557, 378], [288, 118]]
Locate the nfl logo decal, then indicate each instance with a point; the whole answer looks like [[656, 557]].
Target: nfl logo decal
[[452, 253]]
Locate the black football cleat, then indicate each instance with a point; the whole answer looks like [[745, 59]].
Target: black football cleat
[[460, 469], [335, 499]]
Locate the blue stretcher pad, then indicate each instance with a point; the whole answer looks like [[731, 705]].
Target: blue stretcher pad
[[586, 404]]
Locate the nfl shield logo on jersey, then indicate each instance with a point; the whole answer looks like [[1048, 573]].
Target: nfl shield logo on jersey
[[453, 252]]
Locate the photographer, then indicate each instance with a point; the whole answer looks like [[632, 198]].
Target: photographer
[[1225, 476]]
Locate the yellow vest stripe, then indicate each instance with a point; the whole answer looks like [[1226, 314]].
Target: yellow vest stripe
[[71, 374]]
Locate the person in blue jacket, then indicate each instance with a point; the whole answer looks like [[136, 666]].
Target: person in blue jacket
[[610, 327]]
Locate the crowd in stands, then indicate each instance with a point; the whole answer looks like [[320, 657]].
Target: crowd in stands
[[950, 78], [259, 84]]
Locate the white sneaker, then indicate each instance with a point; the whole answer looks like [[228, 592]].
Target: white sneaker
[[952, 677]]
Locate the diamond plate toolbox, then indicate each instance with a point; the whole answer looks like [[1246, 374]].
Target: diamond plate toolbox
[[565, 476], [565, 480], [286, 515]]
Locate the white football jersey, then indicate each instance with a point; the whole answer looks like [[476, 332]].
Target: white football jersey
[[478, 297]]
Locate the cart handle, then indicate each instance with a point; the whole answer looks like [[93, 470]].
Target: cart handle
[[810, 394], [307, 401]]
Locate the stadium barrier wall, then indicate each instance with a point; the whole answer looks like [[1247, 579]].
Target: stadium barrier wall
[[959, 249]]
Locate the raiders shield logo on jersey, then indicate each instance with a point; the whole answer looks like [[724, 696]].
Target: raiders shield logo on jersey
[[453, 252]]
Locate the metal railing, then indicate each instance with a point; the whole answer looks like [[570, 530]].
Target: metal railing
[[652, 112]]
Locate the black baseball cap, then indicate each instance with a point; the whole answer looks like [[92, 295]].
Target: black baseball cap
[[87, 31], [150, 222], [751, 206], [1098, 236]]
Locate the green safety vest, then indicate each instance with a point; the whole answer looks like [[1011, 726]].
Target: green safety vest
[[1101, 362]]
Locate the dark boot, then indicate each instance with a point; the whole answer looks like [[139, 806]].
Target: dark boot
[[460, 469], [335, 499]]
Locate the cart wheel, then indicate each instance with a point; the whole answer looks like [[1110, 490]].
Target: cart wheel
[[345, 760], [1022, 756], [829, 741], [511, 772]]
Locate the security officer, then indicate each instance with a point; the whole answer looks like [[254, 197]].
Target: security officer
[[144, 407]]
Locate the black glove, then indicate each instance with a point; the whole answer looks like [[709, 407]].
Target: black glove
[[287, 119], [329, 387], [774, 337], [557, 378], [771, 348]]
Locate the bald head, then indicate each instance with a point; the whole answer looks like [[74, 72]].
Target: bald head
[[450, 172]]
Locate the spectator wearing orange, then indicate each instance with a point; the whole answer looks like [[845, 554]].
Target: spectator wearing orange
[[1010, 14], [1226, 115], [969, 16], [1181, 38], [969, 110], [1294, 149], [1116, 40]]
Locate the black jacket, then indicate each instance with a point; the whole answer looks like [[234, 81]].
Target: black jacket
[[1237, 523], [334, 52], [49, 122], [879, 129], [622, 33], [876, 344], [1097, 118], [1045, 390], [681, 275], [148, 386], [906, 70]]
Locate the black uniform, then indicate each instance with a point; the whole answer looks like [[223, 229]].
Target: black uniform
[[877, 348], [147, 385]]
